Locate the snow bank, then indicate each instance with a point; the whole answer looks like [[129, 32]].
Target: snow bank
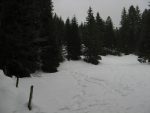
[[12, 99], [8, 94], [116, 85]]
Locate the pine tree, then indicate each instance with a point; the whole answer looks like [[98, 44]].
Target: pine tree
[[124, 39], [138, 25], [82, 33], [132, 19], [67, 37], [118, 41], [59, 29], [73, 39], [109, 34], [91, 39], [100, 31], [130, 29], [18, 32], [49, 54], [0, 12], [144, 45]]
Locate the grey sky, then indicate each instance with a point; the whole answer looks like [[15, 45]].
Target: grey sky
[[113, 8]]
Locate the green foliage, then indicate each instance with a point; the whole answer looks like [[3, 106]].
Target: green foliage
[[18, 32], [73, 39], [100, 33], [32, 38], [27, 36], [49, 52], [109, 34], [59, 31], [130, 29], [91, 39], [144, 43]]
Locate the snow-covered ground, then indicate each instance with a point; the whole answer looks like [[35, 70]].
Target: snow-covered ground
[[116, 85]]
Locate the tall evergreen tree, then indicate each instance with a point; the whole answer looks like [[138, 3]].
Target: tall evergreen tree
[[76, 41], [91, 39], [124, 38], [19, 27], [59, 32], [49, 54], [133, 29], [100, 31], [118, 41], [130, 29], [138, 27], [144, 45], [82, 33], [73, 40], [109, 34], [67, 36]]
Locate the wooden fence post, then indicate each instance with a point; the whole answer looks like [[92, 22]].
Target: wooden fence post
[[30, 98], [17, 82]]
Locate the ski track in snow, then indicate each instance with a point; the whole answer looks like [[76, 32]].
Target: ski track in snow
[[114, 86]]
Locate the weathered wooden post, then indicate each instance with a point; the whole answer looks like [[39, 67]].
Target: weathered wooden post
[[30, 98], [17, 82]]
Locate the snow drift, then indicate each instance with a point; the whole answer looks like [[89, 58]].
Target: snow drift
[[116, 85]]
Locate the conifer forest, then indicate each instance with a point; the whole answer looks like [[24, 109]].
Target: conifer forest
[[33, 38], [37, 42]]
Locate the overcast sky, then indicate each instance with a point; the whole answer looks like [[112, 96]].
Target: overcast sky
[[113, 8]]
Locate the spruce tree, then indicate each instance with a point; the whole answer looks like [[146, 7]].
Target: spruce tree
[[67, 37], [73, 39], [118, 41], [109, 34], [130, 29], [133, 20], [138, 27], [100, 31], [49, 52], [91, 39], [124, 39], [18, 32], [144, 45], [59, 29]]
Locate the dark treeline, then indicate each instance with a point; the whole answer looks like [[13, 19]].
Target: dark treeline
[[32, 38], [27, 37]]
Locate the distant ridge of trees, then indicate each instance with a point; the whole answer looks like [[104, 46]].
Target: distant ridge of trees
[[33, 38]]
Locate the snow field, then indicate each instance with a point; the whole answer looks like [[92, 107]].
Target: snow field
[[116, 85]]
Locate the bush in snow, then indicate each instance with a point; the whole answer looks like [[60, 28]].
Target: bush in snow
[[92, 60], [14, 68]]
